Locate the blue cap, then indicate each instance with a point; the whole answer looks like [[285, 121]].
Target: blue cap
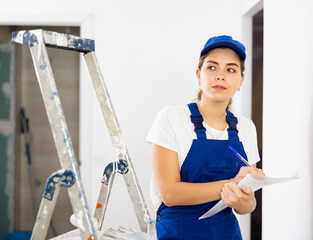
[[225, 41]]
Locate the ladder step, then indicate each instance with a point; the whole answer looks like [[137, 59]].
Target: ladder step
[[54, 40]]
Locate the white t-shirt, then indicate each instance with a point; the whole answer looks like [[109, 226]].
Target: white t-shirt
[[173, 129]]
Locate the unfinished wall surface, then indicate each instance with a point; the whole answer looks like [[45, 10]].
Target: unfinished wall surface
[[7, 136]]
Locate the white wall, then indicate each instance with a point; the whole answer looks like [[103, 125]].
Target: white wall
[[288, 118], [148, 53]]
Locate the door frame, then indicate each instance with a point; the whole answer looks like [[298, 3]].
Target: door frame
[[244, 100]]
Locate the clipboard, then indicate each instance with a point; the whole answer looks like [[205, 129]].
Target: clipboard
[[254, 181]]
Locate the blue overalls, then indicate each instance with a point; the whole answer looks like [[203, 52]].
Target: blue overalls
[[208, 160]]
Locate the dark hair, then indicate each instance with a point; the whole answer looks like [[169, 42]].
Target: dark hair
[[200, 64]]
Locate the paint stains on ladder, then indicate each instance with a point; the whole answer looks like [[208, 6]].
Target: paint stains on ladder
[[99, 205]]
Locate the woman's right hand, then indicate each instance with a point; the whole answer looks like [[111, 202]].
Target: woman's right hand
[[244, 171]]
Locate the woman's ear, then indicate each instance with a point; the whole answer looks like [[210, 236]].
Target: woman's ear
[[241, 81], [198, 75]]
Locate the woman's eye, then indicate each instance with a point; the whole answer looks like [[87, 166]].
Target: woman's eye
[[231, 70], [211, 68]]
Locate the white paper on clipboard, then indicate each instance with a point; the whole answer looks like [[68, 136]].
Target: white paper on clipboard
[[254, 181]]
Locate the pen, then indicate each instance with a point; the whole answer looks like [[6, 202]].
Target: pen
[[239, 156]]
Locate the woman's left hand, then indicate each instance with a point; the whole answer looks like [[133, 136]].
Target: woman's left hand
[[243, 201]]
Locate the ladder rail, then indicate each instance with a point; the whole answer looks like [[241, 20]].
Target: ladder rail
[[44, 216], [35, 41], [103, 198], [118, 141], [65, 178]]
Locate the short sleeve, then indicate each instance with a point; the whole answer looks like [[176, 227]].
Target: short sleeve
[[253, 155], [162, 132]]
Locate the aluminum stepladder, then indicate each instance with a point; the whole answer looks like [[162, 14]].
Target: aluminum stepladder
[[69, 175]]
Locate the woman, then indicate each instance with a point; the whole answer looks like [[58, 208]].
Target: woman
[[192, 164]]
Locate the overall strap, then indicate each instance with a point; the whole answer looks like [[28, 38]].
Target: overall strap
[[232, 125], [197, 120]]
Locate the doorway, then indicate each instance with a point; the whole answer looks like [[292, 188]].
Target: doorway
[[44, 158], [257, 112]]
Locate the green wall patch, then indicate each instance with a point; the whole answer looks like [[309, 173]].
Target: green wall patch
[[5, 63], [4, 198]]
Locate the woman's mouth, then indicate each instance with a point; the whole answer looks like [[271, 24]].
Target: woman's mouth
[[219, 88]]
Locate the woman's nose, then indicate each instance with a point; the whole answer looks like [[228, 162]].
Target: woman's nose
[[219, 76]]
